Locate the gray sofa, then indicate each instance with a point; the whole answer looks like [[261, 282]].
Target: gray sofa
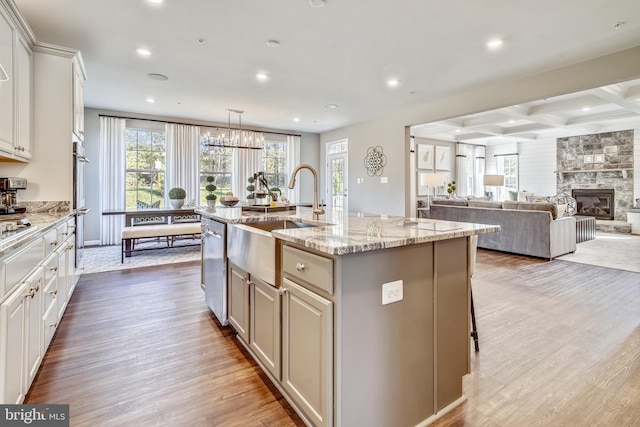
[[526, 228]]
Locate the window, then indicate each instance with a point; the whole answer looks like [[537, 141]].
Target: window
[[145, 168], [508, 166], [274, 163], [217, 162]]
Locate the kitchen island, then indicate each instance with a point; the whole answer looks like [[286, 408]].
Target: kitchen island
[[366, 319]]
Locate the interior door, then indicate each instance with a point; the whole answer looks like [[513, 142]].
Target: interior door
[[337, 180]]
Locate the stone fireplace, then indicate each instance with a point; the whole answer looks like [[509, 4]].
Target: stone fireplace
[[597, 202], [602, 165]]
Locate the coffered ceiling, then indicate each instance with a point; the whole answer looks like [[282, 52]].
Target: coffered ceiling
[[603, 109], [332, 64]]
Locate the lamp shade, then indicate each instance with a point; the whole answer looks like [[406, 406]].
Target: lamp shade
[[431, 179], [491, 180]]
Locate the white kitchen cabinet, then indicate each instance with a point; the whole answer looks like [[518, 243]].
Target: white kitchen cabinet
[[307, 352], [239, 301], [33, 326], [6, 86], [24, 98], [78, 99], [264, 330], [12, 347]]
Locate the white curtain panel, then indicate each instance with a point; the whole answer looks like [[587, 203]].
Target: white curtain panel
[[478, 189], [462, 173], [112, 178], [183, 167], [293, 160], [246, 161]]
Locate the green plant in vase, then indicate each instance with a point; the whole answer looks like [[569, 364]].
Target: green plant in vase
[[210, 187], [451, 188], [251, 188], [176, 197]]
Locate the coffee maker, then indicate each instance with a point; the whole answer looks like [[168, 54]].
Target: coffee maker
[[8, 195]]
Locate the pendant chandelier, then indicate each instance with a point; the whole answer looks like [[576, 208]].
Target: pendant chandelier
[[231, 140]]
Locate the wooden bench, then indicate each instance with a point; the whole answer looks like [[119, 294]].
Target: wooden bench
[[170, 231]]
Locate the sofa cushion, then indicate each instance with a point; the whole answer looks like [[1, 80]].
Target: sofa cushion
[[509, 204], [450, 202], [474, 203]]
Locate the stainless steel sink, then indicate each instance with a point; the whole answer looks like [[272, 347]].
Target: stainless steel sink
[[281, 224], [251, 247]]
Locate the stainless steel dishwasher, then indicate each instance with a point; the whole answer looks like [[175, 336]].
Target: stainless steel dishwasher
[[214, 267]]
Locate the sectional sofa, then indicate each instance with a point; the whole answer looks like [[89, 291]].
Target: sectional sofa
[[526, 228]]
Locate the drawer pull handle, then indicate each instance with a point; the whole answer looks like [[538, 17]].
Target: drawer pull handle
[[53, 325], [300, 266], [53, 243], [54, 269], [31, 293], [54, 293]]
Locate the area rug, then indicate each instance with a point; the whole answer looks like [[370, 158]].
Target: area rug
[[97, 259], [611, 250]]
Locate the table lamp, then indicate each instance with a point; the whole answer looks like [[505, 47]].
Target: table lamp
[[431, 180], [493, 181]]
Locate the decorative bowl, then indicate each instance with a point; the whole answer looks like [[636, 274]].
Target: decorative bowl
[[229, 203]]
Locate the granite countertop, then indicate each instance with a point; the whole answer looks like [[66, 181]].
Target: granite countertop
[[40, 221], [340, 234]]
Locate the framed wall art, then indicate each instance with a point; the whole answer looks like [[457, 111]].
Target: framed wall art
[[425, 156], [443, 158]]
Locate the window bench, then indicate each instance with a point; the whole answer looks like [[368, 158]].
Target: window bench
[[170, 231]]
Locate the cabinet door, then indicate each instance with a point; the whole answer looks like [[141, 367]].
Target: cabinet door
[[24, 99], [63, 289], [265, 325], [33, 335], [307, 351], [12, 333], [78, 101], [6, 86], [70, 271], [239, 301]]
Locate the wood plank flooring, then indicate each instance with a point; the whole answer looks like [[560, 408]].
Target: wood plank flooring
[[559, 346]]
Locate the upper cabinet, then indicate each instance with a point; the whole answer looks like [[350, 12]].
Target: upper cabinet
[[16, 91], [78, 98]]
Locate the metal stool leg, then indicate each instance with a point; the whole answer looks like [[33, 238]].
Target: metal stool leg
[[474, 330]]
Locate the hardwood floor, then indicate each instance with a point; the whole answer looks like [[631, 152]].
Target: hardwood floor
[[139, 348], [559, 346]]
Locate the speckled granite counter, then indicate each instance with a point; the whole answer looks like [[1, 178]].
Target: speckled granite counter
[[340, 234], [40, 222]]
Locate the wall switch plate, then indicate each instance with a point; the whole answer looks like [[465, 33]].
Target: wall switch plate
[[391, 292], [384, 180]]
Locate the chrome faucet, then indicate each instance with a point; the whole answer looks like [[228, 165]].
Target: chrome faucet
[[316, 209]]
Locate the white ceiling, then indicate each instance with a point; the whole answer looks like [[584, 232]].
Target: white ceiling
[[605, 109], [342, 53]]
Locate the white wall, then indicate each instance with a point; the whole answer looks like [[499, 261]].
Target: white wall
[[391, 133], [537, 165]]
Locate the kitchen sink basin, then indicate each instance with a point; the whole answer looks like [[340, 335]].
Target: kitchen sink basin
[[251, 247], [281, 224]]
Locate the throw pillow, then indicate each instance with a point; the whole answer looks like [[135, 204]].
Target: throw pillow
[[562, 209], [513, 195]]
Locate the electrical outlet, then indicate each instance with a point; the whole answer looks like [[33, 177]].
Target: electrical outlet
[[391, 292]]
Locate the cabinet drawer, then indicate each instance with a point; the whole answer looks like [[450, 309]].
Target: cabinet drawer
[[49, 294], [20, 263], [312, 269], [50, 241], [50, 267]]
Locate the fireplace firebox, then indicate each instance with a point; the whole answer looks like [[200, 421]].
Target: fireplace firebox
[[597, 202]]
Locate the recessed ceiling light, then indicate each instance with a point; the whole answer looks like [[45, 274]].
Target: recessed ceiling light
[[618, 25], [151, 100], [143, 52], [201, 41], [155, 1], [495, 43], [156, 76], [273, 43], [317, 3], [392, 82], [331, 106], [296, 119], [262, 76], [586, 108]]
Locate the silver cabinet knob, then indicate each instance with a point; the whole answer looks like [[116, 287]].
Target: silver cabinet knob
[[300, 266]]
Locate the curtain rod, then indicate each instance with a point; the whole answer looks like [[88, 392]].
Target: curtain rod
[[191, 124]]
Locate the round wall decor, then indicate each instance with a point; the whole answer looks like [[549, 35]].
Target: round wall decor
[[374, 161]]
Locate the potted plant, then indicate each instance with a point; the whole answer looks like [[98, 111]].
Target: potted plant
[[451, 188], [251, 197], [176, 197], [210, 187]]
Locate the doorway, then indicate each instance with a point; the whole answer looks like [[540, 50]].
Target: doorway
[[337, 176]]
